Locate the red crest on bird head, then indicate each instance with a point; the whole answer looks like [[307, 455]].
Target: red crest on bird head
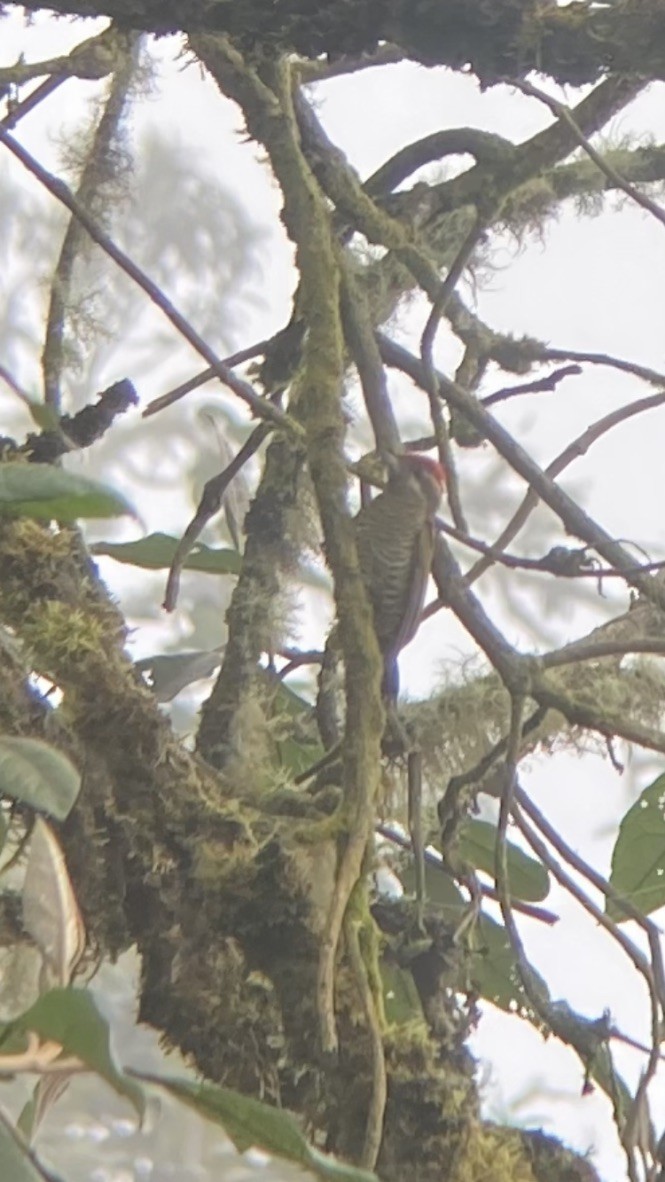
[[433, 467], [425, 464]]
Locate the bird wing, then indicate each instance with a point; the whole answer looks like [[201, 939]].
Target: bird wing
[[421, 562]]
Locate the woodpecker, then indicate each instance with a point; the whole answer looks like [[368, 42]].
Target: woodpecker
[[395, 536]]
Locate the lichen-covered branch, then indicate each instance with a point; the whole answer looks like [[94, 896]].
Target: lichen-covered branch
[[575, 44], [101, 169], [316, 400]]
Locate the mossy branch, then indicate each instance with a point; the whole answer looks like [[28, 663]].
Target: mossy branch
[[266, 100]]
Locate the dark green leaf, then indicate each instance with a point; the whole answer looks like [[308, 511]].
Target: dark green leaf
[[528, 879], [49, 493], [38, 775], [301, 749], [26, 1122], [298, 757], [493, 969], [400, 997], [70, 1017], [638, 859], [291, 703], [249, 1122], [439, 886], [169, 673], [157, 551]]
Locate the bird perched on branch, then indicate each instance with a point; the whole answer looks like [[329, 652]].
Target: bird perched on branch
[[395, 535]]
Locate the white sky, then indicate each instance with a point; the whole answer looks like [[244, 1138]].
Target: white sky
[[596, 284]]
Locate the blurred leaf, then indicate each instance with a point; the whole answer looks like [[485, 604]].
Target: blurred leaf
[[493, 970], [250, 1123], [298, 757], [17, 1163], [439, 886], [26, 1123], [170, 673], [528, 878], [291, 703], [38, 775], [401, 998], [157, 551], [300, 749], [46, 1093], [638, 858], [50, 910], [70, 1017], [49, 493]]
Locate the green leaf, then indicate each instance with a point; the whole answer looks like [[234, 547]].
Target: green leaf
[[70, 1017], [638, 858], [38, 775], [291, 703], [157, 551], [301, 749], [440, 888], [528, 879], [26, 1124], [169, 673], [493, 970], [400, 996], [249, 1122], [17, 1163], [297, 757], [49, 493]]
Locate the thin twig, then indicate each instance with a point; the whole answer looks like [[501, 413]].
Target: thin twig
[[574, 519], [11, 381], [501, 855], [209, 504], [435, 860], [575, 891], [408, 363], [260, 406], [200, 379], [647, 971], [524, 802], [32, 100], [561, 111], [453, 806], [560, 561], [547, 384], [432, 387], [653, 376]]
